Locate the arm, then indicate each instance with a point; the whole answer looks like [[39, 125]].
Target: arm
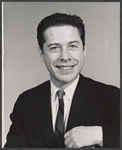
[[105, 136], [16, 136], [111, 134]]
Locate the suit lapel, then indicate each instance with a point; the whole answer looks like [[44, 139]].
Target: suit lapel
[[45, 115], [80, 103]]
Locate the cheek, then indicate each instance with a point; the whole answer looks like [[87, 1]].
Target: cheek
[[78, 56], [50, 59]]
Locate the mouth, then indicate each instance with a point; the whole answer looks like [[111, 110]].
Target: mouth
[[65, 68]]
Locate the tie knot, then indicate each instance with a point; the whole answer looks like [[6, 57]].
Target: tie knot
[[60, 94]]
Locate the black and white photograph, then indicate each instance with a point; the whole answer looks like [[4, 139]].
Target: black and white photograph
[[60, 74]]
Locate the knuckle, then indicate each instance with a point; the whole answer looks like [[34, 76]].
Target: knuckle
[[65, 142], [78, 144], [74, 129], [70, 145], [75, 139]]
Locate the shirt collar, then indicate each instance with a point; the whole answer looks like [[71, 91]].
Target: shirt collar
[[54, 89], [69, 91]]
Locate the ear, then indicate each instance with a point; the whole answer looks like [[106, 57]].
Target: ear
[[85, 51], [41, 54]]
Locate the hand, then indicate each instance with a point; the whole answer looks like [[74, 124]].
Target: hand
[[83, 136]]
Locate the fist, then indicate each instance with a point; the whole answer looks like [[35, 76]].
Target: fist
[[83, 136]]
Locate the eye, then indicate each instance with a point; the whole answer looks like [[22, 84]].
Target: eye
[[73, 46], [55, 48]]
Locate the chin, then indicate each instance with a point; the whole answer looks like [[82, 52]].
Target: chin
[[67, 79]]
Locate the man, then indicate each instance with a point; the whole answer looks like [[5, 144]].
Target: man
[[70, 110]]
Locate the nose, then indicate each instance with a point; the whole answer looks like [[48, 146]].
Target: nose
[[64, 54]]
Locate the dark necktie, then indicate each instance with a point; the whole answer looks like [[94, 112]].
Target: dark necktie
[[59, 125]]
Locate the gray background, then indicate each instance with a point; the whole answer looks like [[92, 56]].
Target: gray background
[[21, 61]]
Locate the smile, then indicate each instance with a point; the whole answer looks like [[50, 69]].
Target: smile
[[65, 67]]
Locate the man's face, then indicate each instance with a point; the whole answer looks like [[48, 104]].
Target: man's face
[[63, 54]]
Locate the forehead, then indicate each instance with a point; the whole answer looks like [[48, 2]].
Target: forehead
[[61, 33]]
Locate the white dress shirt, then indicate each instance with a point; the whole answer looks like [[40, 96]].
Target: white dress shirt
[[69, 92]]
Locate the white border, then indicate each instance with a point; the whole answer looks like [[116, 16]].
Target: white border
[[2, 74]]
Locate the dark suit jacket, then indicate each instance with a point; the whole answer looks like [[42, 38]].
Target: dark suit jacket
[[94, 104]]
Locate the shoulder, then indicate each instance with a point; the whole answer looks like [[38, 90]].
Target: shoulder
[[45, 86], [98, 91], [33, 94], [97, 86]]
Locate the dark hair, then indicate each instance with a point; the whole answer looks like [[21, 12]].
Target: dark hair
[[59, 19]]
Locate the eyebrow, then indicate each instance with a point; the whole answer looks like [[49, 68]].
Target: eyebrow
[[52, 44], [73, 42]]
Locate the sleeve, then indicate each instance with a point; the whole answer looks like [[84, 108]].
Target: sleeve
[[16, 136], [111, 134]]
